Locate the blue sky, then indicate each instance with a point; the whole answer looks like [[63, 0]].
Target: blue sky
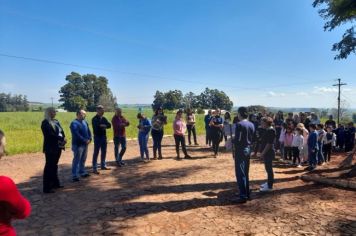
[[273, 53]]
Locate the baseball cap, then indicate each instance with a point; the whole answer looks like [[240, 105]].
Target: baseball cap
[[10, 194]]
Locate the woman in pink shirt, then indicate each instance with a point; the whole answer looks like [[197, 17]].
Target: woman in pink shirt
[[179, 128]]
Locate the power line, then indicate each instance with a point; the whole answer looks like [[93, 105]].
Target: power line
[[339, 84], [157, 76]]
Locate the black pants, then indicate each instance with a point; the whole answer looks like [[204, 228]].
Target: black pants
[[288, 153], [268, 159], [327, 151], [157, 136], [207, 136], [180, 140], [296, 154], [191, 129], [50, 173], [216, 139]]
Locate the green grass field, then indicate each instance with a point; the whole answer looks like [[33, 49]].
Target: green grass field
[[23, 129]]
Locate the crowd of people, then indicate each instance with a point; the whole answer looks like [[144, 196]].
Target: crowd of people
[[299, 139]]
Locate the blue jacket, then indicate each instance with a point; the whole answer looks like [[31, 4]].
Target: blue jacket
[[80, 132], [313, 141], [146, 123]]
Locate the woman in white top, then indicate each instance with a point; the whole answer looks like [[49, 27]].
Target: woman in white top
[[191, 126]]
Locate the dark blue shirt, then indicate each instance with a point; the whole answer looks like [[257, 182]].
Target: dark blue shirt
[[313, 141], [207, 119], [80, 132], [244, 134]]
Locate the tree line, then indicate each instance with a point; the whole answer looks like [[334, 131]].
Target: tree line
[[209, 98], [86, 92], [10, 102]]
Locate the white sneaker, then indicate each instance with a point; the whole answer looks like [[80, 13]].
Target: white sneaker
[[299, 166], [264, 185], [265, 189]]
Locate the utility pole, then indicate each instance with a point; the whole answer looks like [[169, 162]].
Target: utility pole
[[339, 84], [52, 101]]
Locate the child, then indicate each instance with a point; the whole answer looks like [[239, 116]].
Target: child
[[288, 144], [328, 143], [321, 134], [12, 206], [304, 154], [312, 147], [281, 139], [297, 146]]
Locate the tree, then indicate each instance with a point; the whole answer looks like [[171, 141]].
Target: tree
[[173, 100], [191, 100], [108, 101], [213, 98], [344, 111], [339, 12], [159, 100], [257, 109], [354, 117], [86, 92], [10, 102]]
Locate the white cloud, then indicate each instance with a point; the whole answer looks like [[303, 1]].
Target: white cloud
[[304, 94], [274, 94], [324, 90]]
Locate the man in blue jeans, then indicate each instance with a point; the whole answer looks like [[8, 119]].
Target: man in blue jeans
[[243, 140], [100, 124], [119, 123], [81, 137]]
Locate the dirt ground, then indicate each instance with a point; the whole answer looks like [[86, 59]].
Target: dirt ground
[[169, 197]]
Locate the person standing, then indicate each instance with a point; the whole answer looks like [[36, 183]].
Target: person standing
[[340, 134], [288, 140], [278, 122], [158, 122], [216, 125], [100, 125], [244, 134], [179, 129], [191, 127], [268, 152], [297, 146], [53, 143], [81, 137], [144, 128], [321, 133], [312, 147], [119, 123], [328, 143], [350, 137], [207, 119]]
